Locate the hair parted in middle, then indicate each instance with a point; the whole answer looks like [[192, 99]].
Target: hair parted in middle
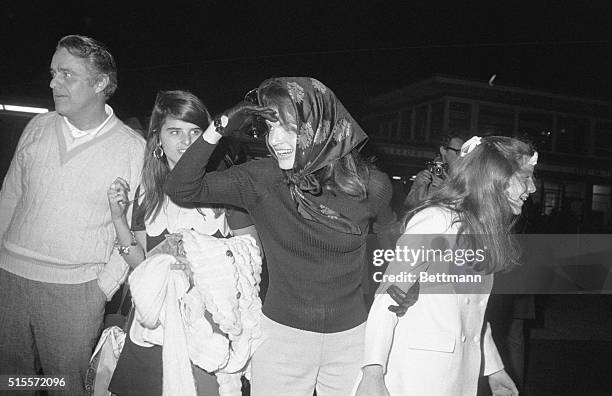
[[178, 105], [476, 190]]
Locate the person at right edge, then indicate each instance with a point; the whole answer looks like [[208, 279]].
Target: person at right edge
[[311, 203], [438, 345]]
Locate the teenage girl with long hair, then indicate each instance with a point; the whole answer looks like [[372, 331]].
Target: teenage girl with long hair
[[435, 348], [177, 120]]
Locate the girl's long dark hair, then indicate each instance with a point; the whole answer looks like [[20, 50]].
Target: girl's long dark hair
[[179, 105], [476, 190]]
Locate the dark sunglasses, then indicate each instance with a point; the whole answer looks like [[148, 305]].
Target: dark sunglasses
[[457, 151]]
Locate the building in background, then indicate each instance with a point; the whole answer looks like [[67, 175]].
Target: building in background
[[572, 134]]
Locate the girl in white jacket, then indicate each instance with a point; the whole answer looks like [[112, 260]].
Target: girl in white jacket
[[452, 245]]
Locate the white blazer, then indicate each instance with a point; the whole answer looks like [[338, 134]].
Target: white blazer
[[435, 348]]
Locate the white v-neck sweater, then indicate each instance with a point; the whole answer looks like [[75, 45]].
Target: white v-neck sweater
[[55, 221]]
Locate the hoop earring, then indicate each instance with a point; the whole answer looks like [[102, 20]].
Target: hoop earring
[[158, 152]]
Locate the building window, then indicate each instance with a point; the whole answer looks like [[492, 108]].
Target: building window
[[603, 139], [602, 202], [495, 121], [537, 127], [573, 199], [420, 123], [572, 135], [388, 126], [393, 126], [551, 197], [460, 115], [436, 122], [406, 124]]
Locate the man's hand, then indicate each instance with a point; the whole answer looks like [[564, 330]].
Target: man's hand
[[436, 181], [404, 300], [372, 382], [423, 177], [502, 385]]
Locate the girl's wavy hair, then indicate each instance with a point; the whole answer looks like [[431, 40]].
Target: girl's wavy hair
[[349, 174], [178, 105], [476, 190]]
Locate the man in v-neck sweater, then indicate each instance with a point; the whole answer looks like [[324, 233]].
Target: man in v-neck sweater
[[57, 263]]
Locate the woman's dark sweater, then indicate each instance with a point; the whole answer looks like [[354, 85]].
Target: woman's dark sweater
[[315, 272]]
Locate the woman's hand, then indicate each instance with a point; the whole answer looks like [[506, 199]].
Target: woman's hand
[[118, 198], [240, 115], [372, 382], [502, 385]]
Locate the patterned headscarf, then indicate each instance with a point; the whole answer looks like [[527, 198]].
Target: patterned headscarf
[[326, 133]]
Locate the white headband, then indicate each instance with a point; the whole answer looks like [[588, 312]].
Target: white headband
[[475, 141], [534, 159], [470, 145]]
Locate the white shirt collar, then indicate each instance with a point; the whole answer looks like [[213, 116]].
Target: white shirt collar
[[77, 133]]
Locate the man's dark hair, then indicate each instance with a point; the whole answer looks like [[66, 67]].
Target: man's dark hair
[[453, 133], [96, 54]]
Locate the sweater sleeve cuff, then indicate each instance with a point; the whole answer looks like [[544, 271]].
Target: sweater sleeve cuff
[[210, 135], [380, 328], [112, 275]]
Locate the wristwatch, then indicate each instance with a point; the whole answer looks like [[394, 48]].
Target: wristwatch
[[220, 123]]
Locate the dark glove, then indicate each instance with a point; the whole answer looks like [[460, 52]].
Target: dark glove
[[241, 115], [405, 300]]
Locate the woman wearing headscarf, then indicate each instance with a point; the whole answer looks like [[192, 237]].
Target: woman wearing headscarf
[[312, 204]]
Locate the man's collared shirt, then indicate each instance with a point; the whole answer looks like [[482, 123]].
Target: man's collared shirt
[[78, 137]]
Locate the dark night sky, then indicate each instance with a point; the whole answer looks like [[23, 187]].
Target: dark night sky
[[358, 48]]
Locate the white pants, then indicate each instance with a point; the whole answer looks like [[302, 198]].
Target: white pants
[[296, 362]]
